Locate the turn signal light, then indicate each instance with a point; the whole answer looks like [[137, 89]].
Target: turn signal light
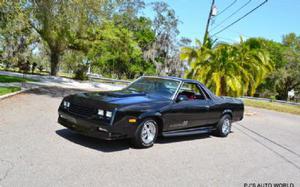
[[132, 120]]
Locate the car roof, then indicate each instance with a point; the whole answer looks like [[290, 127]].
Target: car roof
[[186, 80], [174, 78]]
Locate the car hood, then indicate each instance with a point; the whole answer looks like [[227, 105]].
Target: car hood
[[111, 99]]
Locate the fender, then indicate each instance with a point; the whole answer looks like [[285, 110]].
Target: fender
[[155, 115], [150, 114], [227, 111]]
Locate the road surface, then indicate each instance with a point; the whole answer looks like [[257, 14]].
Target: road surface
[[36, 151]]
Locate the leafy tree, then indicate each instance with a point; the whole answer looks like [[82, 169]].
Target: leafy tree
[[59, 22], [288, 77], [257, 62], [72, 60], [115, 50], [227, 69], [16, 38], [275, 49], [59, 27], [164, 52], [141, 27]]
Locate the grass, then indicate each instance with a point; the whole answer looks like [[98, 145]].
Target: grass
[[9, 79], [66, 75], [6, 90], [293, 109]]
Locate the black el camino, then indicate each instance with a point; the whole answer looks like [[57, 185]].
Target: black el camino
[[150, 107]]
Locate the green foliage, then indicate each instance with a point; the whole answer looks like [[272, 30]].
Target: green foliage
[[111, 35], [228, 69], [16, 38], [275, 49], [80, 73], [141, 28], [71, 60], [286, 77], [115, 50]]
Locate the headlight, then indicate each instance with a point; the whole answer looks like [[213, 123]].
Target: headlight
[[108, 114], [100, 112], [66, 104]]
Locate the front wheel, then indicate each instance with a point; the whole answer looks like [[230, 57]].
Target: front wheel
[[224, 126], [145, 134]]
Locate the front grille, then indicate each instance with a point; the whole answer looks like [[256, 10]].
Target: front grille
[[82, 110]]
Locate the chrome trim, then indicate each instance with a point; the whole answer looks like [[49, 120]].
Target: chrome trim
[[113, 116], [159, 77], [177, 91], [132, 82], [148, 133]]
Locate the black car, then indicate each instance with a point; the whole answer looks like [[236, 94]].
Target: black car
[[150, 107]]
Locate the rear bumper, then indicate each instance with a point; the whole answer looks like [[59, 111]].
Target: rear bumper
[[88, 128]]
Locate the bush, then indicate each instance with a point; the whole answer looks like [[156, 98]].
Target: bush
[[80, 73], [24, 67], [273, 98], [33, 67], [41, 68]]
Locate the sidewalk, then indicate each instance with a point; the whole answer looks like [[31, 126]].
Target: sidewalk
[[59, 82]]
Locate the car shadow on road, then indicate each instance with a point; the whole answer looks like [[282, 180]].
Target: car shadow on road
[[94, 143], [119, 145], [176, 139]]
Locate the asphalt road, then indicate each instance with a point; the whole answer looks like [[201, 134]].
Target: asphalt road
[[36, 151]]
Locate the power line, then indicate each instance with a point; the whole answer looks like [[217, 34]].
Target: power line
[[235, 12], [228, 39], [231, 4], [240, 18]]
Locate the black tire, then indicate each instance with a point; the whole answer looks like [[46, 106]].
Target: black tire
[[139, 141], [221, 130]]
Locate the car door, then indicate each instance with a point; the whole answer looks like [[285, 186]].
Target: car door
[[215, 106], [188, 113]]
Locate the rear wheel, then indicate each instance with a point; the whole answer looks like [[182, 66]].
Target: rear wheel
[[145, 134], [224, 126]]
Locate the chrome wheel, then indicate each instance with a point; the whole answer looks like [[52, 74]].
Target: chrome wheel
[[148, 132], [226, 126]]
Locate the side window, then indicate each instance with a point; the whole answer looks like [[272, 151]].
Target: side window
[[204, 92], [192, 91]]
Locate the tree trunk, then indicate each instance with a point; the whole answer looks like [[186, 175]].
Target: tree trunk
[[223, 91], [54, 60]]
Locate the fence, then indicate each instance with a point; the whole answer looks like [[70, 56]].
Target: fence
[[96, 78]]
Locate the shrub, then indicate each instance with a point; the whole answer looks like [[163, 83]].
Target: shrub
[[80, 73]]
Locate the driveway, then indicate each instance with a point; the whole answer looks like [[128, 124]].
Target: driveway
[[36, 151]]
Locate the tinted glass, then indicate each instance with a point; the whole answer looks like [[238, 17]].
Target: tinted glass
[[154, 87], [192, 91]]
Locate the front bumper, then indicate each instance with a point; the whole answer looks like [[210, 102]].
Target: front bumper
[[89, 128]]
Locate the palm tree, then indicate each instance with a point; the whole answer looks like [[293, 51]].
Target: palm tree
[[195, 55], [228, 69], [257, 62]]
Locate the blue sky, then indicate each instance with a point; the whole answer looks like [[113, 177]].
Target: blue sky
[[272, 20]]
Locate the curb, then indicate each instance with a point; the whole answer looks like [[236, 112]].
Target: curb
[[2, 97]]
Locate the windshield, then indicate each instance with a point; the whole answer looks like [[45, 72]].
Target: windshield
[[156, 87]]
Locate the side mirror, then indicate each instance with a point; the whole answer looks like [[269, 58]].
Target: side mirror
[[182, 98]]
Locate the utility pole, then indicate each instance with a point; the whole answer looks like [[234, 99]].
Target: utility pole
[[208, 21]]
